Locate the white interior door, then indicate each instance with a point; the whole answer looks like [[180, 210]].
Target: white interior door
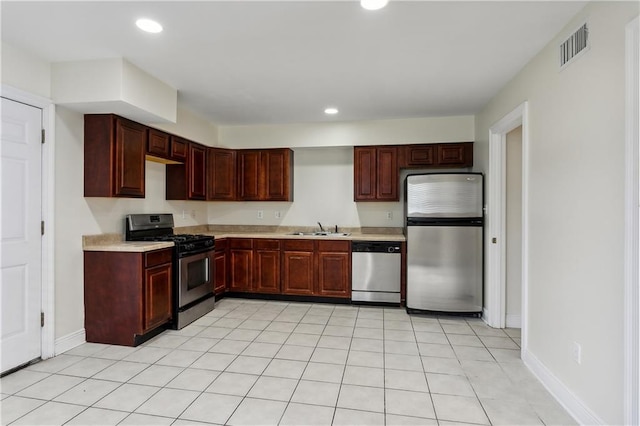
[[20, 236]]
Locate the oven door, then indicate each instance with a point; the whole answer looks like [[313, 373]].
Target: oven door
[[195, 277]]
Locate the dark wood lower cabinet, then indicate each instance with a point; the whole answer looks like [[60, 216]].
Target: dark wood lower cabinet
[[334, 268], [126, 295], [266, 259], [298, 267], [290, 267], [220, 272], [157, 296], [240, 264]]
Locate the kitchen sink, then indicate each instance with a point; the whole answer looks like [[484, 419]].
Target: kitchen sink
[[323, 233]]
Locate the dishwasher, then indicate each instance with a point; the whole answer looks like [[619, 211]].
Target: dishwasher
[[375, 275]]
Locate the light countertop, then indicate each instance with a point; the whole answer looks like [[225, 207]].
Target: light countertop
[[115, 242]]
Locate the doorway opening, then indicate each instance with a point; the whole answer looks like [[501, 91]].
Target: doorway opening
[[495, 313]]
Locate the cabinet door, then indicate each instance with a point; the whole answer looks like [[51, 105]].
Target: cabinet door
[[179, 149], [220, 274], [276, 164], [266, 271], [334, 274], [387, 174], [158, 143], [455, 154], [157, 296], [297, 272], [130, 148], [221, 174], [334, 268], [419, 155], [248, 175], [197, 172], [364, 174], [240, 269]]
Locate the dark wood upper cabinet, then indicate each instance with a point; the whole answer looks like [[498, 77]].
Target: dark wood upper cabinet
[[277, 173], [365, 173], [265, 175], [221, 174], [376, 173], [197, 172], [455, 154], [114, 156], [419, 155], [438, 155], [158, 143], [188, 181], [179, 149], [387, 166], [249, 175]]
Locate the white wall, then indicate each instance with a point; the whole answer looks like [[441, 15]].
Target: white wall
[[576, 207], [77, 216], [323, 192], [514, 227], [330, 134], [25, 71]]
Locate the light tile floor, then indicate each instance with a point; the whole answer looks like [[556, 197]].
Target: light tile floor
[[252, 362]]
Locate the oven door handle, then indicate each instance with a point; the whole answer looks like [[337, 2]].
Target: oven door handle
[[208, 259]]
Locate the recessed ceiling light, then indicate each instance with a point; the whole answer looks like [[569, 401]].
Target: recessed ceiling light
[[149, 25], [373, 4], [331, 111]]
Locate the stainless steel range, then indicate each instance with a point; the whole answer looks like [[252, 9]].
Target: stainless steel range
[[193, 264]]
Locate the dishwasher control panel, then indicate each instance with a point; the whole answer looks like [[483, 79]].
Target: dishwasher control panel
[[375, 247]]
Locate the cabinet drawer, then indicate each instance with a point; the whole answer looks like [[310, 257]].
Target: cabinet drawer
[[297, 245], [241, 243], [221, 244], [334, 246], [260, 244], [157, 257]]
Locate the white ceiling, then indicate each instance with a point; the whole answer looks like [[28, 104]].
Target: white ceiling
[[240, 62]]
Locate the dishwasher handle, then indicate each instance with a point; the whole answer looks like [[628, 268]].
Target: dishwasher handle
[[375, 247]]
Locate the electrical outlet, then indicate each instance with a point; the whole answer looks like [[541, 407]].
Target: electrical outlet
[[184, 214], [260, 214], [277, 214], [577, 352], [389, 215]]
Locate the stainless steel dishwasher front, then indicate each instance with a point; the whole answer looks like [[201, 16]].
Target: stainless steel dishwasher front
[[376, 267]]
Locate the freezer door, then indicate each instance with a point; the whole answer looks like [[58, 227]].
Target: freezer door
[[444, 268], [444, 195]]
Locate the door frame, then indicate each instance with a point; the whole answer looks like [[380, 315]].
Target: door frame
[[632, 225], [495, 301], [47, 333]]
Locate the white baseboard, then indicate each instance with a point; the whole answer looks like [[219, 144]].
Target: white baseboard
[[574, 406], [513, 321], [70, 341], [485, 315]]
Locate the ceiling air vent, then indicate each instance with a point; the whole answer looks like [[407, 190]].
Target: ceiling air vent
[[577, 43]]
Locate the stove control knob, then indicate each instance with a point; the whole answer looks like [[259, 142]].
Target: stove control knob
[[209, 243], [189, 246]]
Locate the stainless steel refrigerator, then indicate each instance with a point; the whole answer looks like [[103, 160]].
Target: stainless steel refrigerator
[[444, 229]]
